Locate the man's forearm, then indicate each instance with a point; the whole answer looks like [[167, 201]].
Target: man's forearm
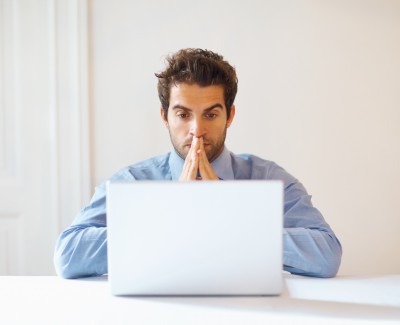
[[311, 252], [81, 252]]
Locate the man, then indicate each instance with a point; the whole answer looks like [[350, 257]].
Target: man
[[197, 92]]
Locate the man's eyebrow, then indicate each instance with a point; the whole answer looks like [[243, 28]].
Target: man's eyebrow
[[178, 106], [217, 105]]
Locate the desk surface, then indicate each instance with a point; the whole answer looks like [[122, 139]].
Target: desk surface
[[342, 300]]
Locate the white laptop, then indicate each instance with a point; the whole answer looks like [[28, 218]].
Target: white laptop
[[195, 238]]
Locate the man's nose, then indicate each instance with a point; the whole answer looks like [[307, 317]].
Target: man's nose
[[197, 129]]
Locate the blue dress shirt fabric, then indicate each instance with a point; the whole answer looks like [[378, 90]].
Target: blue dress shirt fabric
[[310, 246]]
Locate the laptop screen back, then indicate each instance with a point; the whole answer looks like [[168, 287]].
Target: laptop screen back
[[195, 238]]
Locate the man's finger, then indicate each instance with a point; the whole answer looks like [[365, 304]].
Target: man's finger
[[205, 169], [190, 167]]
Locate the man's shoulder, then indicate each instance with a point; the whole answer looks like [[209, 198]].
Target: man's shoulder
[[252, 159], [156, 167], [254, 167], [153, 162]]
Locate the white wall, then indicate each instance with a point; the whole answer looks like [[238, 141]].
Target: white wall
[[319, 93]]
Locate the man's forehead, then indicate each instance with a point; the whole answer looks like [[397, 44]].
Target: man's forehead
[[192, 94]]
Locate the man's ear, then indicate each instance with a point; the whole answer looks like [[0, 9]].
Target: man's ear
[[164, 117], [231, 116]]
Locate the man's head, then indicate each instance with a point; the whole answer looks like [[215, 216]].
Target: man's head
[[197, 91], [197, 66]]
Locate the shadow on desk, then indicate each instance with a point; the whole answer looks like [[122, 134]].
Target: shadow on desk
[[290, 306], [341, 298]]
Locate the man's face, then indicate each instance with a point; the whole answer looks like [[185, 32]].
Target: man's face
[[196, 111]]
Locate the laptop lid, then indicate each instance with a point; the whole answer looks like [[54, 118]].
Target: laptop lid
[[195, 238]]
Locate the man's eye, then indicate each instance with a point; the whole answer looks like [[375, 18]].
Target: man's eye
[[183, 115], [211, 115]]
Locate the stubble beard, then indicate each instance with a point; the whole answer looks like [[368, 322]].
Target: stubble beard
[[213, 152]]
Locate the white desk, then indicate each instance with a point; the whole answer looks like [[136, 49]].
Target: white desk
[[342, 300]]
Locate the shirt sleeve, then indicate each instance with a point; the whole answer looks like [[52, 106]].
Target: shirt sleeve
[[310, 247], [81, 249]]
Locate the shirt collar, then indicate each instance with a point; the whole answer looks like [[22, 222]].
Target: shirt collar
[[222, 166]]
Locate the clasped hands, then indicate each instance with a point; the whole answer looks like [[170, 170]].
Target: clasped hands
[[197, 164]]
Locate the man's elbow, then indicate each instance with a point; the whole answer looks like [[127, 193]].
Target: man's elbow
[[64, 256], [324, 265], [330, 268], [75, 258], [327, 269], [331, 263], [62, 264]]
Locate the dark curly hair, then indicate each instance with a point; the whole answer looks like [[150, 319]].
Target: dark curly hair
[[201, 67]]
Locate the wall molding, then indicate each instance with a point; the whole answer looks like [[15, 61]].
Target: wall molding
[[8, 154], [2, 88], [69, 108]]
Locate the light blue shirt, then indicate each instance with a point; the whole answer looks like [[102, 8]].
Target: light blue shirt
[[310, 246]]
